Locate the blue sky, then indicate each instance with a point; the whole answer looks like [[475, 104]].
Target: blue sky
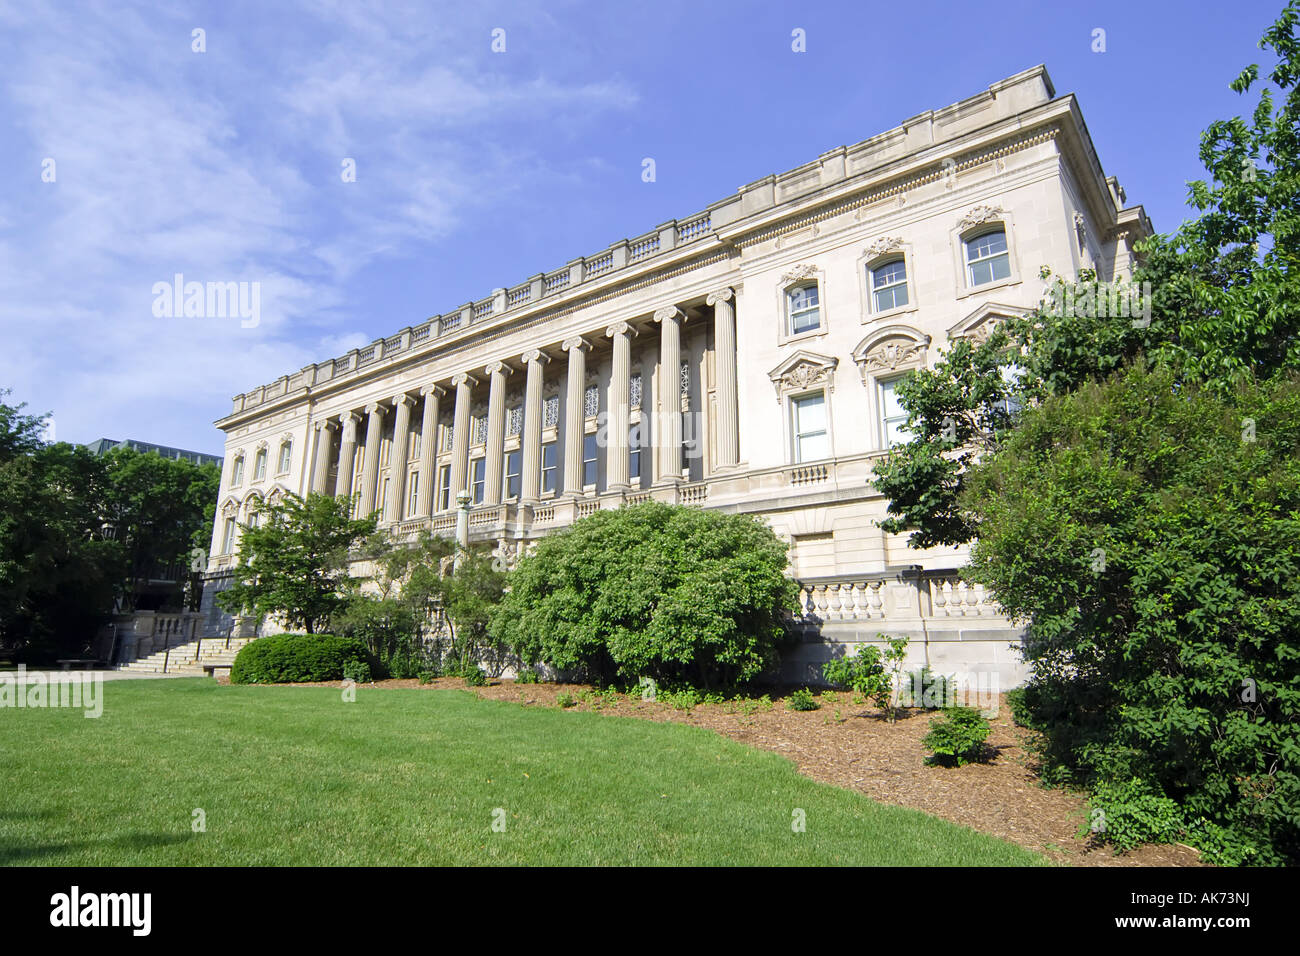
[[474, 169]]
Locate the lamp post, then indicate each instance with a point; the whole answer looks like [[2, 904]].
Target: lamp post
[[462, 525]]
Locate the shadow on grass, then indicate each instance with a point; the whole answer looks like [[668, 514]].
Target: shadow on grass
[[129, 843]]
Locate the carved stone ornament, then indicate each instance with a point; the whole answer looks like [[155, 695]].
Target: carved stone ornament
[[884, 246], [981, 214], [888, 356], [722, 295], [804, 375], [797, 273]]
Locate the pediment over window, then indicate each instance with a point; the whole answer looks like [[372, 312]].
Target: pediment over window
[[231, 508], [980, 324], [804, 370], [277, 495], [890, 349]]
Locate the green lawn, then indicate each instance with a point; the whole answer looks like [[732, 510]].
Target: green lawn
[[295, 775]]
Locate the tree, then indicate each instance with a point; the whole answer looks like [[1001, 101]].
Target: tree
[[158, 506], [1150, 535], [295, 562]]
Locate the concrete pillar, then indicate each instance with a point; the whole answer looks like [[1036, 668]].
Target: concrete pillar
[[460, 434], [724, 355], [324, 445], [370, 470], [531, 489], [428, 447], [393, 507], [668, 445], [347, 455], [616, 452], [496, 431], [574, 419]]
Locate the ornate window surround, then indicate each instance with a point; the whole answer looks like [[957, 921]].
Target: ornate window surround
[[804, 373], [875, 255], [977, 220], [797, 275], [884, 355]]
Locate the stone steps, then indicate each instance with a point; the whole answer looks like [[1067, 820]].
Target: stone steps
[[188, 658]]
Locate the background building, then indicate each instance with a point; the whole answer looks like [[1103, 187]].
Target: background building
[[743, 358], [102, 446]]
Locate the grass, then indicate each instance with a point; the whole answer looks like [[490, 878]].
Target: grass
[[295, 775]]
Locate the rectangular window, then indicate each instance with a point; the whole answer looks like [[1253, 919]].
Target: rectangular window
[[634, 454], [413, 494], [889, 285], [383, 501], [987, 258], [893, 416], [513, 461], [259, 466], [444, 487], [416, 441], [550, 459], [804, 309], [228, 537], [478, 469], [286, 453], [590, 457], [811, 439], [237, 475]]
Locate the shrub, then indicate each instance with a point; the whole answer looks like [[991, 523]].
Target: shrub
[[677, 594], [870, 673], [1019, 707], [473, 675], [296, 658], [957, 737], [565, 700], [802, 699], [526, 675], [929, 691], [1132, 813], [358, 671]]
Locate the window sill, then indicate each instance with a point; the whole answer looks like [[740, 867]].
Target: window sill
[[989, 286], [889, 313]]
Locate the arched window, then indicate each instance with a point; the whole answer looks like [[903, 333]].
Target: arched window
[[987, 259], [889, 285], [803, 308]]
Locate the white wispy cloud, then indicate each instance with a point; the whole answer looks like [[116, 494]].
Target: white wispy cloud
[[224, 166]]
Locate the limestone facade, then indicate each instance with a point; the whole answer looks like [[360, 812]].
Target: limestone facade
[[742, 358]]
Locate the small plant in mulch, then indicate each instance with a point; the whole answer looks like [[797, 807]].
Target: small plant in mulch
[[802, 699], [565, 701], [957, 738]]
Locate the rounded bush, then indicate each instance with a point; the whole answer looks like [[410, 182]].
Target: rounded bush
[[678, 594], [297, 658]]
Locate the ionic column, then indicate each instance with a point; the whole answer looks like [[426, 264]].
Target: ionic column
[[370, 470], [460, 433], [616, 453], [324, 445], [496, 433], [428, 446], [532, 477], [574, 419], [397, 457], [668, 450], [724, 355], [347, 456]]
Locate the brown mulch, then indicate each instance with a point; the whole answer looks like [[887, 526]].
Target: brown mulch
[[852, 745]]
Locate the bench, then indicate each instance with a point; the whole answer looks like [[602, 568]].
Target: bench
[[210, 669]]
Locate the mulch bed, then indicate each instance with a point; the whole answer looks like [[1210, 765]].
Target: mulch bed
[[852, 745]]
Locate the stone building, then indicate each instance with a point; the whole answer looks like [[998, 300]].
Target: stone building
[[743, 358]]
